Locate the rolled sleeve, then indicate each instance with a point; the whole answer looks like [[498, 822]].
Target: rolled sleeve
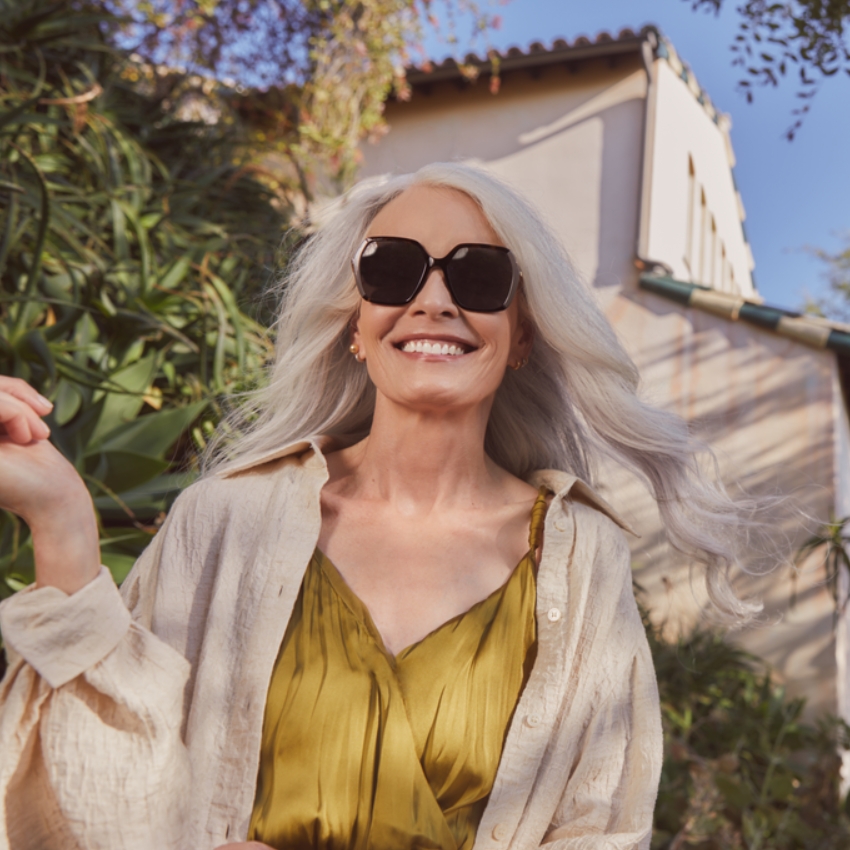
[[91, 713], [62, 636]]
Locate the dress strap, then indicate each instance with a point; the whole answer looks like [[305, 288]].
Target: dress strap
[[538, 516]]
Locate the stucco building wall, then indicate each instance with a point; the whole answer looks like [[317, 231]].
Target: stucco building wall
[[694, 208]]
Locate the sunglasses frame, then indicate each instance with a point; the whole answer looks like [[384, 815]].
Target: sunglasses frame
[[440, 263]]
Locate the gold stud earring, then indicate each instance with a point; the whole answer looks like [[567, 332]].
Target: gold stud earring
[[519, 364], [354, 348]]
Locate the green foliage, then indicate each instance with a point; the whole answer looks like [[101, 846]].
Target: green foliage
[[836, 304], [835, 543], [741, 768], [806, 39], [327, 65], [129, 239]]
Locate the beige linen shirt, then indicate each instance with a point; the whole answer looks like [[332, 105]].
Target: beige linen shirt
[[132, 720]]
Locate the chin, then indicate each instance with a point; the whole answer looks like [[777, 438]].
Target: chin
[[436, 398]]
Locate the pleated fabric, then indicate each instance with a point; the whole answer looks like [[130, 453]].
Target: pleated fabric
[[362, 749]]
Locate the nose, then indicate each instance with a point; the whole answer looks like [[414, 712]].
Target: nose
[[434, 299]]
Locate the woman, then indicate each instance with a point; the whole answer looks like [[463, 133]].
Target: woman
[[357, 630]]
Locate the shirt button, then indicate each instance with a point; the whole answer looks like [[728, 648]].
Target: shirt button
[[554, 615], [532, 720], [500, 831]]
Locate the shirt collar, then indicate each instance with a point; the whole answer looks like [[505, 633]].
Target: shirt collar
[[563, 484], [314, 445], [567, 486]]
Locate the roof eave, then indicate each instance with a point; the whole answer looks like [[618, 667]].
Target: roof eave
[[449, 70]]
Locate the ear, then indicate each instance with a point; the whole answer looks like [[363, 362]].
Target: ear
[[354, 331], [523, 339]]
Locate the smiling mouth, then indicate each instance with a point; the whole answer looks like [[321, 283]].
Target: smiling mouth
[[436, 346]]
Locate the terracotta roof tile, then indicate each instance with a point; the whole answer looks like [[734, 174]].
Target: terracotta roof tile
[[537, 49]]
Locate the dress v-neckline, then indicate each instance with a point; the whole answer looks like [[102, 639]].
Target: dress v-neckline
[[359, 608]]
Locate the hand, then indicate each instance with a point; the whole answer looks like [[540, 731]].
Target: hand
[[20, 409], [39, 485]]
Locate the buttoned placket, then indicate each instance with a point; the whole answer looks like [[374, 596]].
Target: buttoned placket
[[533, 723]]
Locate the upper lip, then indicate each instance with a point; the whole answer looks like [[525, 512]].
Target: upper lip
[[433, 337]]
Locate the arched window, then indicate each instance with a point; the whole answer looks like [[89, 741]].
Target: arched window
[[703, 239], [712, 277], [689, 232]]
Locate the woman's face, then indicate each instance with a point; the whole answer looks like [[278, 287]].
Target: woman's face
[[439, 219]]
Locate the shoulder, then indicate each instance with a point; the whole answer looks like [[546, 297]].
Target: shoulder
[[224, 520], [586, 537], [249, 491], [601, 553], [240, 511]]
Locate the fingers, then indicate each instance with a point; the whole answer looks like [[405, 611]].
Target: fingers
[[24, 392], [20, 410], [20, 422]]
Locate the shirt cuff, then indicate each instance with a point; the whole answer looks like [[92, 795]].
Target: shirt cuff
[[61, 636]]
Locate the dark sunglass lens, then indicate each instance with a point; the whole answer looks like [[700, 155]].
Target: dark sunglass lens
[[481, 278], [390, 270]]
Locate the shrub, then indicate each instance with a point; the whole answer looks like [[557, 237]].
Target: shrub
[[741, 768]]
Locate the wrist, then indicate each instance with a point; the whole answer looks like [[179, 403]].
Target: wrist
[[66, 543], [69, 504]]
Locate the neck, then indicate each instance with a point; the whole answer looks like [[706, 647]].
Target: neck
[[423, 461]]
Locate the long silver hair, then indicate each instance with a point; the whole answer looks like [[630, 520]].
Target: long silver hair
[[575, 404]]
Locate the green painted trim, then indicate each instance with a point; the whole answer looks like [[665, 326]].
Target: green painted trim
[[839, 341], [763, 316], [668, 287]]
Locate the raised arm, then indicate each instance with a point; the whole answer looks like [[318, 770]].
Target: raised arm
[[91, 705], [39, 485]]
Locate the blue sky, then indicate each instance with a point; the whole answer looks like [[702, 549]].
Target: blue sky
[[796, 194]]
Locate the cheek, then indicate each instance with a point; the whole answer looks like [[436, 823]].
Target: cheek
[[375, 321], [498, 329]]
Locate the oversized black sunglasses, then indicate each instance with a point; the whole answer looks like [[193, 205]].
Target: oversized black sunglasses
[[391, 270]]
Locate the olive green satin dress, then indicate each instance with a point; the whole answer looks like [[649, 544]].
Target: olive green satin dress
[[363, 750]]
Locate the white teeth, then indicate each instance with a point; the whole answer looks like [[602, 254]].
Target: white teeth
[[422, 346]]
